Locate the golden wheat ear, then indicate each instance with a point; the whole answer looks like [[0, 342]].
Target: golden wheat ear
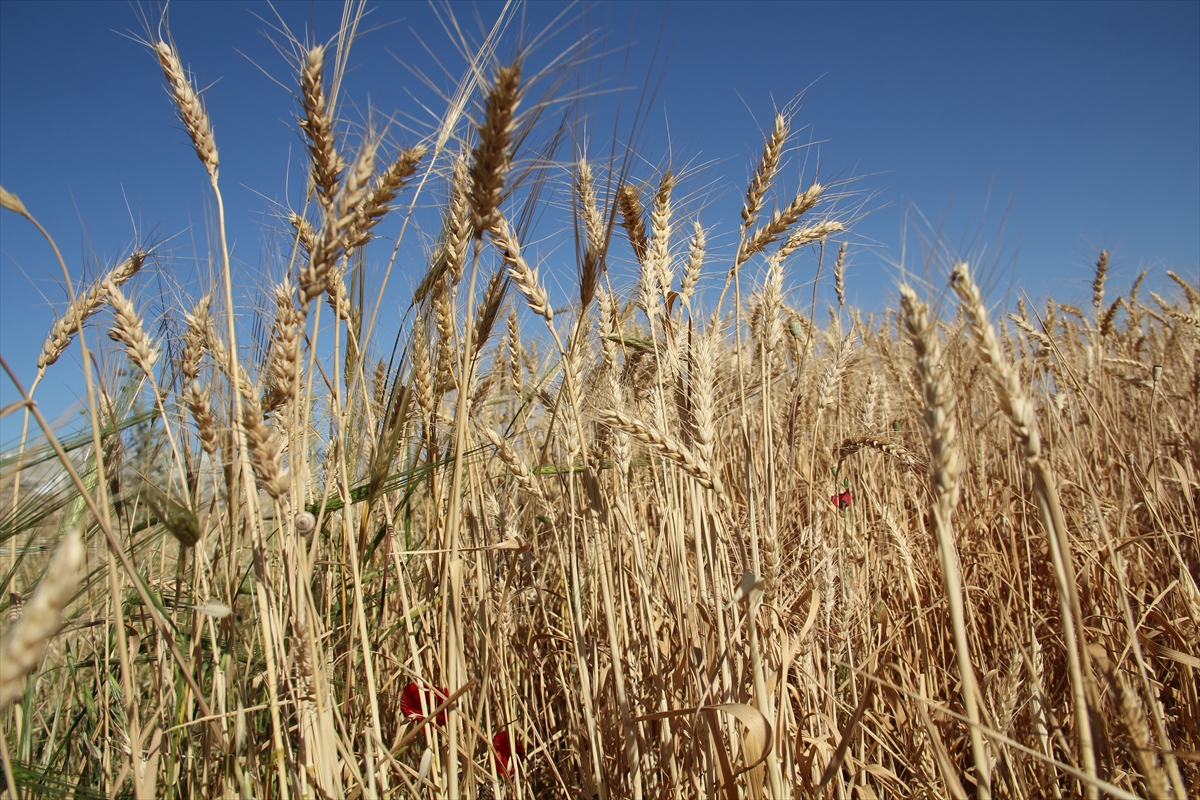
[[25, 642]]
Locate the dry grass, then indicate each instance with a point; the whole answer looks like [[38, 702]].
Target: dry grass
[[634, 549]]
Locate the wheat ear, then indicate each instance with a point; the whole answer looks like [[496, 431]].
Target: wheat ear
[[191, 110], [129, 331], [492, 159], [25, 642], [666, 447]]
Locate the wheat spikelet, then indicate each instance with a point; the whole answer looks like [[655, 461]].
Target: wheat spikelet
[[811, 234], [25, 642], [629, 203], [1105, 323], [764, 174], [128, 330], [458, 224], [1190, 319], [330, 243], [1098, 280], [191, 110], [1130, 710], [515, 350], [196, 399], [850, 446], [666, 447], [11, 202], [283, 368], [695, 263], [594, 233], [779, 223], [443, 315], [839, 274], [491, 159], [658, 257], [1193, 296], [833, 373], [516, 466], [266, 450], [193, 340], [523, 275], [384, 191], [85, 305], [317, 125], [423, 371], [305, 233]]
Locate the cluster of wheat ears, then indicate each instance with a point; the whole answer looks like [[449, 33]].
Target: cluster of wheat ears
[[660, 542]]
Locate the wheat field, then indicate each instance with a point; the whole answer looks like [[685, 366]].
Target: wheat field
[[688, 535]]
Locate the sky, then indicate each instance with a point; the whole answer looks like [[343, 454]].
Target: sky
[[1021, 136]]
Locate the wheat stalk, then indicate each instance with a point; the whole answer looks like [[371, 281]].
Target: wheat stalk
[[945, 467]]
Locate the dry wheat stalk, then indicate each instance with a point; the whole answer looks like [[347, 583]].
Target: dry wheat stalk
[[41, 618], [1019, 411], [945, 468], [191, 110], [128, 330], [491, 158]]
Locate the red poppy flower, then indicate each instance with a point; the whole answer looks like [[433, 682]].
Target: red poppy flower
[[411, 697], [504, 751], [841, 500]]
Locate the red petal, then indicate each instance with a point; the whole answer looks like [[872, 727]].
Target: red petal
[[504, 756], [410, 701], [411, 697]]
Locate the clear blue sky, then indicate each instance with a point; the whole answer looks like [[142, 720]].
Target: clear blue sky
[[1074, 125]]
